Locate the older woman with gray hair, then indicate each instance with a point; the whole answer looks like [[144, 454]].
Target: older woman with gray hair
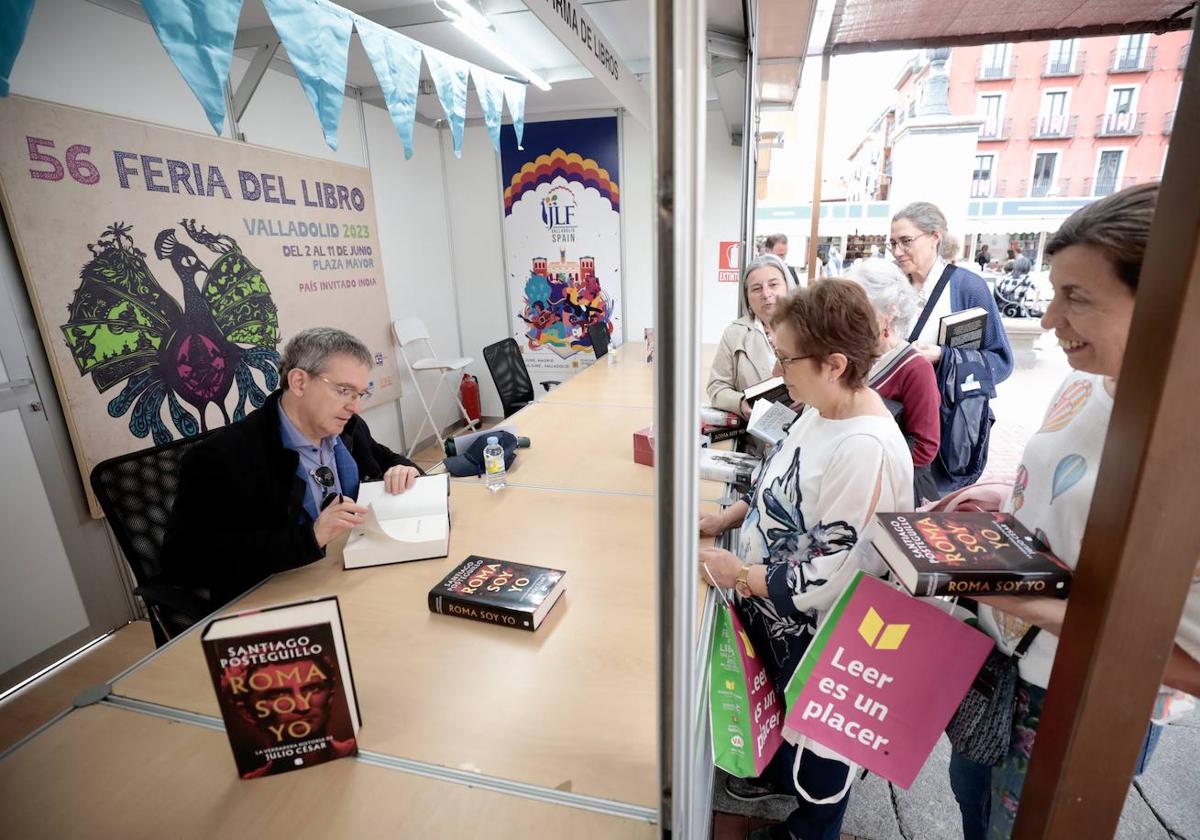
[[901, 375], [965, 375], [746, 355]]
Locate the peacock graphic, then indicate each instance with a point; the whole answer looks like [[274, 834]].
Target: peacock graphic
[[124, 327]]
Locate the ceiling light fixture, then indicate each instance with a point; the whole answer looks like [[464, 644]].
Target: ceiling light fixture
[[472, 23]]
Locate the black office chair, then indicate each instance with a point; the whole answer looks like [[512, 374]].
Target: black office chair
[[598, 333], [510, 375], [136, 493]]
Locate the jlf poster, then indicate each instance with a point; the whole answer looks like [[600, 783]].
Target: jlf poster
[[167, 269], [562, 240]]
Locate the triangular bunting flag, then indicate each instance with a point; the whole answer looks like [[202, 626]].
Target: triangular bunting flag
[[490, 90], [316, 36], [450, 80], [397, 63], [198, 37], [514, 95]]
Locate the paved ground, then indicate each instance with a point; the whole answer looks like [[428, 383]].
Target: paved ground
[[1164, 804]]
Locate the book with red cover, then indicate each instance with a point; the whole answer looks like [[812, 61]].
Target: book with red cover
[[283, 682], [968, 554], [498, 592]]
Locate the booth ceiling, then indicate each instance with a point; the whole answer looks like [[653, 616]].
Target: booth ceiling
[[874, 25]]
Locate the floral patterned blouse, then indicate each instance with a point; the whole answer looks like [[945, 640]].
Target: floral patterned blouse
[[809, 505]]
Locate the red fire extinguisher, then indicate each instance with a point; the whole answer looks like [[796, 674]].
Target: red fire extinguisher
[[468, 393]]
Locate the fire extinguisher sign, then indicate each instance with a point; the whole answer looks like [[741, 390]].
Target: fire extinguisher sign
[[729, 262]]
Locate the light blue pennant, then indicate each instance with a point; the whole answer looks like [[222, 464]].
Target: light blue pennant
[[450, 80], [198, 37], [316, 35], [514, 95], [397, 63], [490, 90]]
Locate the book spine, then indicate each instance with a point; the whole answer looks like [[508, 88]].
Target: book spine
[[967, 583], [464, 608], [716, 434]]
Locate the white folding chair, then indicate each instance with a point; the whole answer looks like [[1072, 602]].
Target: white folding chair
[[409, 332]]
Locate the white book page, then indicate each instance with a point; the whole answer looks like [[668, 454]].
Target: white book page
[[426, 498], [416, 529], [769, 421]]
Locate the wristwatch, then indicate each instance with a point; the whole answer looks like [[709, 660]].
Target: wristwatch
[[742, 585]]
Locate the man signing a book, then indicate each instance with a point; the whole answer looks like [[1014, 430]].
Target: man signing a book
[[271, 491]]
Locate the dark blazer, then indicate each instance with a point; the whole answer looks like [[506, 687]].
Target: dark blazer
[[239, 516]]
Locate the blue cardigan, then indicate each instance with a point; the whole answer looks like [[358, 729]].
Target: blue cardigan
[[967, 289]]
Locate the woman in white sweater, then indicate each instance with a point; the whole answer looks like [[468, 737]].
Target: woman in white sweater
[[746, 355], [816, 493]]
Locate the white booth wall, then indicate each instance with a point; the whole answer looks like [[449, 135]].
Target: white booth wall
[[450, 275]]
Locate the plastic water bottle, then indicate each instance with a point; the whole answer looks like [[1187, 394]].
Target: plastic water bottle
[[612, 356], [493, 465]]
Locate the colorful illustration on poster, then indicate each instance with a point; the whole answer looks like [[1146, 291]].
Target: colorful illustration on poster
[[562, 299], [562, 238], [124, 327]]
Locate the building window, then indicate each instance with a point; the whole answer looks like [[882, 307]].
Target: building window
[[991, 108], [1131, 52], [1060, 61], [1043, 174], [1108, 172], [1119, 116], [981, 180], [1120, 100], [994, 64], [1052, 120]]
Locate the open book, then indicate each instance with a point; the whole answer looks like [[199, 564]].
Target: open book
[[769, 421], [413, 525]]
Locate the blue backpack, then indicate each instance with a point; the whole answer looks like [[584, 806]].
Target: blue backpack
[[966, 387]]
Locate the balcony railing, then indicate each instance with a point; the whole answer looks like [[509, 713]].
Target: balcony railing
[[1041, 188], [1106, 186], [996, 129], [981, 188], [988, 71], [1168, 122], [1132, 61], [1053, 127], [1120, 125], [1060, 65], [1058, 188]]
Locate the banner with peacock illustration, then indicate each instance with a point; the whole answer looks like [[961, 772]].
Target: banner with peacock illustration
[[167, 269], [562, 240]]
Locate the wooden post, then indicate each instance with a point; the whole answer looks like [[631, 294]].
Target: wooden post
[[1143, 535], [816, 201]]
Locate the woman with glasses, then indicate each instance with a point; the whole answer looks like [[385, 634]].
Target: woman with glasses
[[745, 356], [964, 375], [816, 493]]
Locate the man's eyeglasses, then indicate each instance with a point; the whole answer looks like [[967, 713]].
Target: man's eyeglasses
[[345, 391], [323, 475], [904, 242], [784, 361]]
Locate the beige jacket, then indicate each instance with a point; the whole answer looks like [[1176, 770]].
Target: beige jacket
[[744, 358]]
